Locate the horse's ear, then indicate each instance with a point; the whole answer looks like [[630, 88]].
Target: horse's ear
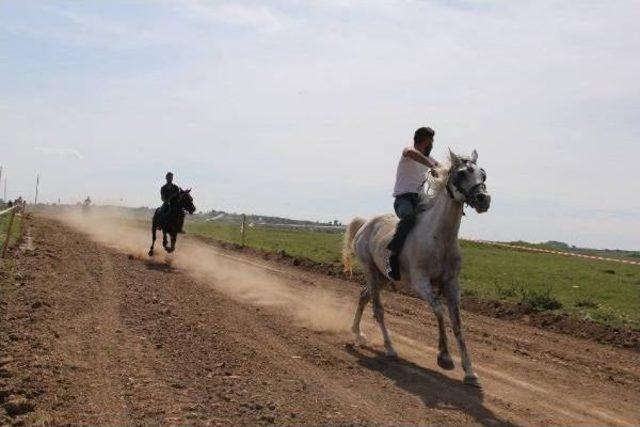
[[453, 158], [188, 190], [474, 156]]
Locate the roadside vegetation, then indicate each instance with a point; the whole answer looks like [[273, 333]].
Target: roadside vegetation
[[604, 291], [15, 229]]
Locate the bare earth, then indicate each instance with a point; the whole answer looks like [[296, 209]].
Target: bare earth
[[93, 333]]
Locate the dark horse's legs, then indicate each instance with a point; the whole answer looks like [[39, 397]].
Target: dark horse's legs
[[164, 240], [169, 226], [174, 236], [153, 238]]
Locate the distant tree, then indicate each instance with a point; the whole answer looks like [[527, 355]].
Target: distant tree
[[556, 244]]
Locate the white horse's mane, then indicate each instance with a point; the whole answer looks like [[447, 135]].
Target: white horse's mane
[[438, 184], [434, 186]]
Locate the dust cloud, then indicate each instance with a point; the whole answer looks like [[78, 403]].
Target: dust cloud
[[317, 309]]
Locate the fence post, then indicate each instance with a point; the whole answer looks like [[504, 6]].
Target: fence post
[[35, 199], [243, 229], [6, 240]]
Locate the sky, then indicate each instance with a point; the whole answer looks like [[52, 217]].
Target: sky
[[301, 108]]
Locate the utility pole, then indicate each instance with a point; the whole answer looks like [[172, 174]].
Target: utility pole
[[5, 189], [35, 200]]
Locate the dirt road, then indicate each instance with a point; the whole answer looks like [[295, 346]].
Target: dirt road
[[92, 333]]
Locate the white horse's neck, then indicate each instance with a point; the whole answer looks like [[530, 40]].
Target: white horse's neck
[[443, 218]]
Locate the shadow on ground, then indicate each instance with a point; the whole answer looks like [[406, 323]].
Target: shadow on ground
[[434, 389], [160, 266]]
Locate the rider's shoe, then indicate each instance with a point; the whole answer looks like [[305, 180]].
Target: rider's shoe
[[393, 267]]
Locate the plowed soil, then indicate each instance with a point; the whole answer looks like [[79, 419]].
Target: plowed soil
[[92, 332]]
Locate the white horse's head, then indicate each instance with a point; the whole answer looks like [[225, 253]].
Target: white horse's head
[[466, 182]]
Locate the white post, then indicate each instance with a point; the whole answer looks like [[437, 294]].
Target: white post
[[35, 200], [243, 229]]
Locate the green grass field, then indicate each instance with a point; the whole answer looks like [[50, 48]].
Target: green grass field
[[607, 292]]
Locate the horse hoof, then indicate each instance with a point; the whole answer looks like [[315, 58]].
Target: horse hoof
[[392, 354], [445, 362], [151, 252], [361, 340], [472, 381]]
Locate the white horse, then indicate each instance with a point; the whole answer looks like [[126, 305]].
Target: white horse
[[430, 259]]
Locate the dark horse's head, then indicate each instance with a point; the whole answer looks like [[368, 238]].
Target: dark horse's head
[[185, 201]]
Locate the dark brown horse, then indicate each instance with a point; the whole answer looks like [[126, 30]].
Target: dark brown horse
[[170, 222]]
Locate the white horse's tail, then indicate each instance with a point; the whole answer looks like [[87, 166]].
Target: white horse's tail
[[347, 249]]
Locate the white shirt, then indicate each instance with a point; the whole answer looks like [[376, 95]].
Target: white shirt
[[410, 176]]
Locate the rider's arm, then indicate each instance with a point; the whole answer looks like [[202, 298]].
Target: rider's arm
[[419, 157]]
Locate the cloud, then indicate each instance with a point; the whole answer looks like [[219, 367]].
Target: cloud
[[79, 27], [257, 16], [62, 152]]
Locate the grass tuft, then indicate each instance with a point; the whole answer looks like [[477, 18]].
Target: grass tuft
[[506, 291], [586, 303], [540, 300], [469, 293]]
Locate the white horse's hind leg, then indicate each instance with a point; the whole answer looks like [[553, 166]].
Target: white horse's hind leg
[[453, 301], [365, 297], [378, 314], [425, 290]]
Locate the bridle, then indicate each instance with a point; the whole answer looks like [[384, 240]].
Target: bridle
[[467, 194]]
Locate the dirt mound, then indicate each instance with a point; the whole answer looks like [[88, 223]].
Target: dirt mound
[[559, 322]]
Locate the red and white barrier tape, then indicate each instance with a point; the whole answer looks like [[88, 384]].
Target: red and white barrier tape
[[550, 251], [8, 210]]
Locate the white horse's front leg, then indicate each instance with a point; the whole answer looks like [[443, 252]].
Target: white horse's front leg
[[452, 290], [422, 285]]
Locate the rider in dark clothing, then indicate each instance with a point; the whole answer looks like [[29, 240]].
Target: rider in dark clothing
[[168, 192]]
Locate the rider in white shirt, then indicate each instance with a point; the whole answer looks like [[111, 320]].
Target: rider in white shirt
[[411, 175]]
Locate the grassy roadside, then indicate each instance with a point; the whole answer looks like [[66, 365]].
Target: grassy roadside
[[15, 229], [316, 245], [603, 291]]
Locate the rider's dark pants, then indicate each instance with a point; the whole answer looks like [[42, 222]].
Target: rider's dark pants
[[405, 206], [164, 211]]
